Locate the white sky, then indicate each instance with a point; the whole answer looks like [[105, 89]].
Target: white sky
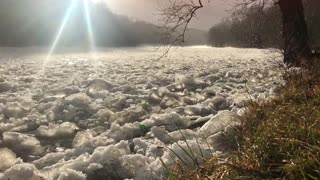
[[146, 10]]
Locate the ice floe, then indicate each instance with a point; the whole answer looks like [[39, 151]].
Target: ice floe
[[114, 116]]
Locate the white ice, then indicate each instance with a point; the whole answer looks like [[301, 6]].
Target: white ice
[[117, 114]]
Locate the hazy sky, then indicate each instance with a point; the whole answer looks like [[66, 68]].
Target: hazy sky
[[147, 10]]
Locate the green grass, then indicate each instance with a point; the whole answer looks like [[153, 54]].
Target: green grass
[[279, 139]]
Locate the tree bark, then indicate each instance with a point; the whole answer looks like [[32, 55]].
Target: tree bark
[[294, 32]]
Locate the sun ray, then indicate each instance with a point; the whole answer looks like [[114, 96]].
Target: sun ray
[[89, 24], [59, 33], [92, 43]]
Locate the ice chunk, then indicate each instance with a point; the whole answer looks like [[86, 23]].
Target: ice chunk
[[189, 82], [172, 121], [7, 158], [184, 134], [233, 74], [70, 174], [82, 137], [128, 131], [75, 113], [162, 91], [126, 89], [219, 122], [132, 164], [97, 87], [88, 146], [169, 102], [159, 78], [239, 100], [189, 152], [99, 84], [209, 92], [174, 136], [198, 110], [5, 86], [222, 142], [123, 147], [213, 69], [139, 145], [26, 103], [154, 97], [22, 171], [94, 167], [29, 79], [217, 103], [104, 114], [21, 125], [60, 93], [48, 160], [152, 148], [120, 104], [155, 150], [129, 115], [78, 100], [200, 121], [14, 110], [155, 171], [186, 152], [22, 143], [63, 130], [213, 78], [42, 107], [107, 156]]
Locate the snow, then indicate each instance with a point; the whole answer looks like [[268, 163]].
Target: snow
[[115, 114]]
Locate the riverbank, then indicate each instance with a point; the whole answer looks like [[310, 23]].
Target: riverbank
[[278, 139]]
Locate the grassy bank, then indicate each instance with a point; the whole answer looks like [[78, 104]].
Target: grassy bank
[[279, 139]]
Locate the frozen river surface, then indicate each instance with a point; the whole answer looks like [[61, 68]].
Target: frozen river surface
[[114, 114]]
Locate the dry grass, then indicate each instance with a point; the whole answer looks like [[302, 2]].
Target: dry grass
[[279, 139]]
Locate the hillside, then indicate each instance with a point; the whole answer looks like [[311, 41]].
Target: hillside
[[38, 22]]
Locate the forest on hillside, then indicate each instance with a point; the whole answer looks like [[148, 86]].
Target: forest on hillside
[[37, 22], [253, 27]]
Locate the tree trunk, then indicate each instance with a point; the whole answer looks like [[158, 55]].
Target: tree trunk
[[294, 32]]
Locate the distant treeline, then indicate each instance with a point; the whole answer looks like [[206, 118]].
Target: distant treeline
[[261, 29], [37, 23]]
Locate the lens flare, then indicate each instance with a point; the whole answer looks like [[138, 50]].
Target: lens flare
[[59, 33], [70, 10], [93, 53], [89, 24]]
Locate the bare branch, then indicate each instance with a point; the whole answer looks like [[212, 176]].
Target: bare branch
[[176, 18]]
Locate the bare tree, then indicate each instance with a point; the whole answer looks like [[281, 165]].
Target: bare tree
[[179, 14]]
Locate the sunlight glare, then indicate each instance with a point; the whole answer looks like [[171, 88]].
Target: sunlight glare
[[88, 19], [58, 36], [89, 24], [92, 43]]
